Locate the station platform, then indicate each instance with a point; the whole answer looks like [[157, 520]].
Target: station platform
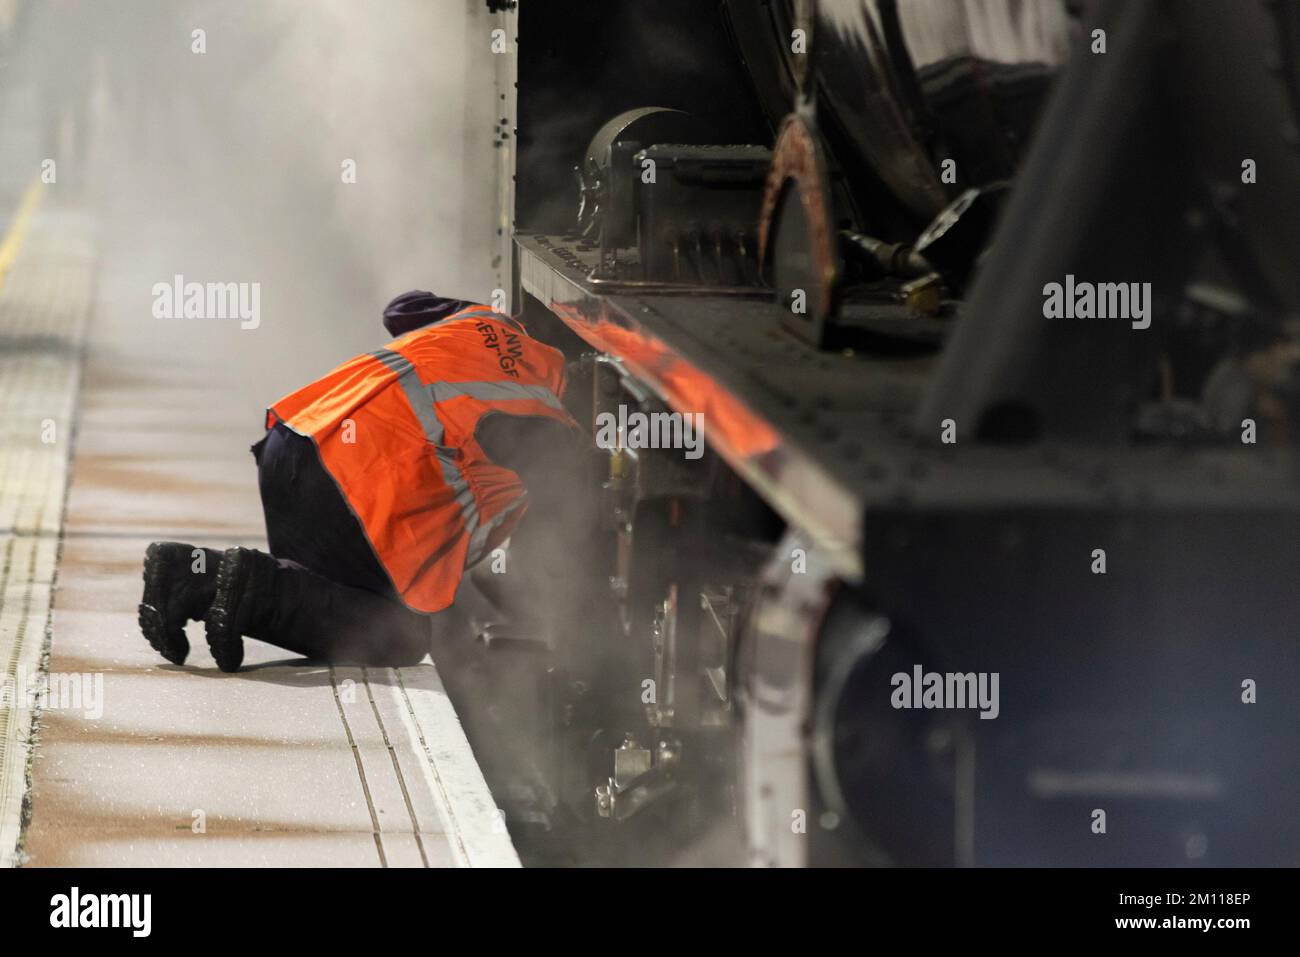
[[115, 431]]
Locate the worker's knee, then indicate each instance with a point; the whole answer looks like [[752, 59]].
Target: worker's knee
[[405, 654], [406, 642]]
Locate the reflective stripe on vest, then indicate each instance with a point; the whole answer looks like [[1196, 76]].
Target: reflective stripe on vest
[[421, 397], [502, 391]]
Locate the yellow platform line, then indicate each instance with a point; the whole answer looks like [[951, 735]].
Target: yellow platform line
[[18, 226]]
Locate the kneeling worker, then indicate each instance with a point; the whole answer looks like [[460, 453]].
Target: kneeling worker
[[381, 483]]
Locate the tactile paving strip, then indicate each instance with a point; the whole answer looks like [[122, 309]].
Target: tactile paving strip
[[44, 299]]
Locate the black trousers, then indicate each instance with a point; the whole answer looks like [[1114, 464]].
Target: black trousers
[[332, 599]]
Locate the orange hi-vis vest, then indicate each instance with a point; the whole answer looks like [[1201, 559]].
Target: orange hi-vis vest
[[395, 428]]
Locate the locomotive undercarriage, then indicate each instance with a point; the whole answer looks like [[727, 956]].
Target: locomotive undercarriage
[[919, 472]]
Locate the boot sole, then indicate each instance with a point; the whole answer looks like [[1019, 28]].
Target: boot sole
[[172, 645], [224, 640]]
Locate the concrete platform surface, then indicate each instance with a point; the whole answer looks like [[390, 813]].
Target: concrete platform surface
[[138, 762]]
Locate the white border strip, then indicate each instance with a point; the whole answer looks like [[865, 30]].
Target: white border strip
[[475, 826]]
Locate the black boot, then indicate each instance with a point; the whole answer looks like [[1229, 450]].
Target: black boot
[[296, 609], [174, 592], [244, 582]]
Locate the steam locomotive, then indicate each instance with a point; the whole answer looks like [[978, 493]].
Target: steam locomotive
[[957, 580]]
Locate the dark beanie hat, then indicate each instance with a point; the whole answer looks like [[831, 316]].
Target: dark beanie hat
[[417, 308]]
